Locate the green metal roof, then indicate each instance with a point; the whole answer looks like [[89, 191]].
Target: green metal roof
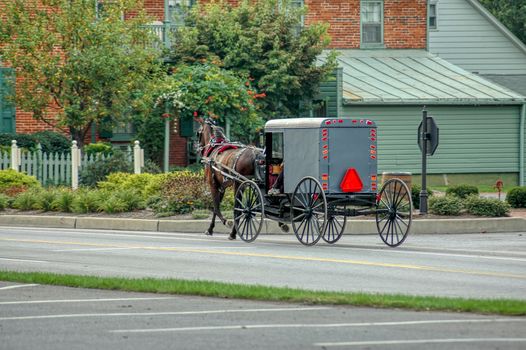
[[414, 77]]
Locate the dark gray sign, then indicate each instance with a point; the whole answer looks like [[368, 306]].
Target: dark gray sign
[[431, 136]]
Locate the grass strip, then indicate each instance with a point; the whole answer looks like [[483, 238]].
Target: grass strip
[[509, 307]]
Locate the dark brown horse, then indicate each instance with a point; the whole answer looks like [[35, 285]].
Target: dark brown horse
[[217, 150]]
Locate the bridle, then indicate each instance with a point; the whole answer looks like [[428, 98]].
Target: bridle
[[201, 146]]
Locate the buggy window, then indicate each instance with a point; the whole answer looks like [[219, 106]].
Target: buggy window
[[277, 145]]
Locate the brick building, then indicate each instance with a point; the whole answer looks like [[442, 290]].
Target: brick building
[[353, 24]]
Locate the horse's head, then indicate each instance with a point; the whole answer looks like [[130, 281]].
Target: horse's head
[[208, 131]]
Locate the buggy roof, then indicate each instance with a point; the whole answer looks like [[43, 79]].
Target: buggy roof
[[312, 123]]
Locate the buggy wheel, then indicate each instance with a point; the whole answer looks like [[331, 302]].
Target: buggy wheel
[[249, 211], [334, 229], [308, 211], [394, 212]]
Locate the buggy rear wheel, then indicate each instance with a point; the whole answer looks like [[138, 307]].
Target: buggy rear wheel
[[308, 211], [249, 211], [394, 212], [334, 229]]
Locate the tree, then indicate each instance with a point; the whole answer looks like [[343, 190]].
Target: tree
[[77, 64], [263, 41], [205, 90], [512, 13]]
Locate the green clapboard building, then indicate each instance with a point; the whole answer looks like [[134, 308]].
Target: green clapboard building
[[482, 124]]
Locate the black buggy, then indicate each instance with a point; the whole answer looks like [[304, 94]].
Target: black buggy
[[330, 173]]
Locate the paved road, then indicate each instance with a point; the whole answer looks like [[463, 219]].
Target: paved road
[[59, 318], [485, 265]]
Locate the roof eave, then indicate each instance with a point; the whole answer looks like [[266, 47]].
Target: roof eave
[[449, 102]]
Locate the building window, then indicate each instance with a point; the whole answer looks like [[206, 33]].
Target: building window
[[372, 14], [178, 10], [433, 16]]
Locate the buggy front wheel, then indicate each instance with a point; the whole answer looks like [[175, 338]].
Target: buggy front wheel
[[308, 211], [249, 211], [394, 212]]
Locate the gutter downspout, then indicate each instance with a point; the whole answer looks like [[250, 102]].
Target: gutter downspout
[[522, 145]]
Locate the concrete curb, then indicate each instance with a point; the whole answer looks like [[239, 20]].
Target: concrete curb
[[420, 226]]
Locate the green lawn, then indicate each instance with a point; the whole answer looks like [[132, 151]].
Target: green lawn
[[508, 307]]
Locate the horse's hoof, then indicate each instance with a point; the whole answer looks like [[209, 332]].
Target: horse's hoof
[[284, 227], [208, 233], [231, 238], [229, 223]]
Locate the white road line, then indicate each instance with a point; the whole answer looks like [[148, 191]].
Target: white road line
[[18, 286], [423, 341], [174, 313], [332, 325], [91, 249], [24, 260], [78, 300]]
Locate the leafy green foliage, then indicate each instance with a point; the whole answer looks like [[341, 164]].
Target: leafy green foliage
[[86, 201], [13, 182], [448, 205], [89, 69], [4, 201], [462, 191], [183, 192], [99, 169], [127, 182], [486, 206], [98, 148], [52, 142], [264, 43], [215, 93], [64, 200], [26, 200], [516, 197], [131, 198], [45, 199], [415, 195], [511, 13], [112, 205]]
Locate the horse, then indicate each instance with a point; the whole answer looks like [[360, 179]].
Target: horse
[[215, 147]]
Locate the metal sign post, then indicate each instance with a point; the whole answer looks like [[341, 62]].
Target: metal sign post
[[428, 143]]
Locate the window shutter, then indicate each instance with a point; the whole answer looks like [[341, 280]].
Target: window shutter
[[7, 107]]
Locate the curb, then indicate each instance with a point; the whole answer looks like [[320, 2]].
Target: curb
[[420, 226]]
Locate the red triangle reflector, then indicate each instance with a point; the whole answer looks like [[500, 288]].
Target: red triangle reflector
[[351, 181]]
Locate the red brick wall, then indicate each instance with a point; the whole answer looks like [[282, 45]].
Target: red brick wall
[[404, 22], [177, 148]]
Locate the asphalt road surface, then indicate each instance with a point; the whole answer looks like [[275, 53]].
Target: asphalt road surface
[[474, 265], [60, 318]]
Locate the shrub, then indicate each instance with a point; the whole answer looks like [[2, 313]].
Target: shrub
[[64, 201], [415, 195], [45, 200], [22, 140], [112, 205], [26, 200], [131, 198], [127, 181], [185, 191], [13, 182], [101, 168], [151, 167], [87, 201], [486, 206], [516, 197], [4, 201], [462, 191], [98, 148], [448, 205], [53, 141]]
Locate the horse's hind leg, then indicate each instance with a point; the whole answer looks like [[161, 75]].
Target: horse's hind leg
[[233, 233]]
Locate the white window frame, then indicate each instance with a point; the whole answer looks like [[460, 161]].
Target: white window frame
[[433, 4], [364, 44]]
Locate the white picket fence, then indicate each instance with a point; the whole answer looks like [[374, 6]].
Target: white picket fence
[[60, 168]]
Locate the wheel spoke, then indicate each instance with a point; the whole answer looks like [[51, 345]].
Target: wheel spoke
[[299, 216]]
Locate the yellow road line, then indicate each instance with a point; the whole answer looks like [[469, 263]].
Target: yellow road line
[[278, 257]]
